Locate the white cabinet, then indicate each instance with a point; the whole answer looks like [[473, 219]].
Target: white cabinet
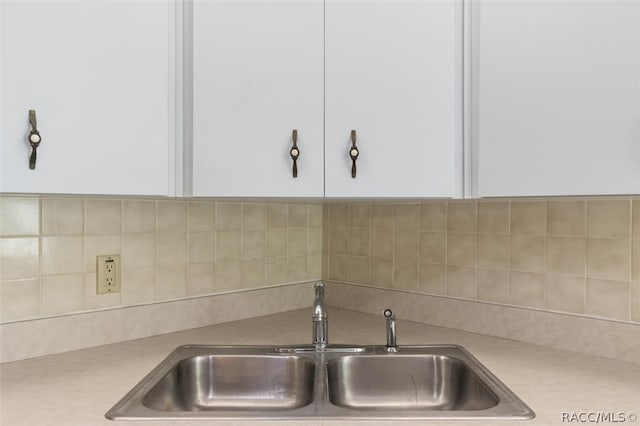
[[257, 76], [556, 97], [390, 70], [97, 73], [394, 75]]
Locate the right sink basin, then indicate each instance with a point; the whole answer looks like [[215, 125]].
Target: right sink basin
[[415, 382]]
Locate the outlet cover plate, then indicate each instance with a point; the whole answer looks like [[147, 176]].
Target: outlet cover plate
[[108, 274]]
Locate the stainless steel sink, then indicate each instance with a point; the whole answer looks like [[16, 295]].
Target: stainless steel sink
[[407, 382], [234, 382], [341, 382]]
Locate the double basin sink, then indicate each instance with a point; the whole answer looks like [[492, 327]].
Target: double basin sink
[[336, 382]]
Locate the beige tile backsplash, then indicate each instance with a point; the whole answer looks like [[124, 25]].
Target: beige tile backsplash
[[580, 256], [574, 255], [170, 249]]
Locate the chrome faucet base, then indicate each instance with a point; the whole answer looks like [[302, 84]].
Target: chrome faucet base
[[320, 325]]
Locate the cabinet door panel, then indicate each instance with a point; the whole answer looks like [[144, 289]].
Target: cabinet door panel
[[557, 97], [258, 74], [393, 73], [97, 74]]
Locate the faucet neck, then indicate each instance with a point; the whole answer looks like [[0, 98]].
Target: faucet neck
[[319, 317]]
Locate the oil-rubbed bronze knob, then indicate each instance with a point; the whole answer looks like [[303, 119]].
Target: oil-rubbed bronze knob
[[353, 153], [34, 138], [295, 152]]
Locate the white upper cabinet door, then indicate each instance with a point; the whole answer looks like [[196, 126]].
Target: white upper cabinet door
[[556, 97], [394, 75], [97, 74], [257, 76]]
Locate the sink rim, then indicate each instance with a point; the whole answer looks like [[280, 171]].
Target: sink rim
[[509, 407]]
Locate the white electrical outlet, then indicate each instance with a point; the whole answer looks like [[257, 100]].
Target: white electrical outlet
[[108, 274]]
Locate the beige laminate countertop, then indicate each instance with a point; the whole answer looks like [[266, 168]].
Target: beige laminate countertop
[[77, 388]]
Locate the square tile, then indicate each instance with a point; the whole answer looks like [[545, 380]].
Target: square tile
[[461, 249], [228, 216], [139, 216], [254, 216], [382, 273], [381, 243], [103, 217], [567, 218], [433, 279], [527, 253], [253, 244], [528, 289], [297, 242], [493, 251], [19, 216], [359, 270], [297, 216], [296, 268], [382, 215], [62, 216], [201, 216], [200, 279], [608, 218], [567, 256], [228, 276], [433, 247], [406, 275], [608, 299], [62, 294], [315, 216], [359, 215], [406, 245], [172, 216], [138, 285], [139, 250], [433, 216], [276, 244], [276, 270], [529, 217], [314, 268], [359, 241], [171, 283], [172, 249], [407, 216], [462, 216], [338, 241], [202, 247], [338, 214], [19, 258], [493, 285], [566, 294], [228, 245], [461, 282], [493, 217], [19, 300], [608, 258], [253, 273], [62, 255], [314, 242], [277, 215], [339, 268]]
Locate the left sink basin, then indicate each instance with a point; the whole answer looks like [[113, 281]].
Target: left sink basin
[[232, 382], [228, 381]]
